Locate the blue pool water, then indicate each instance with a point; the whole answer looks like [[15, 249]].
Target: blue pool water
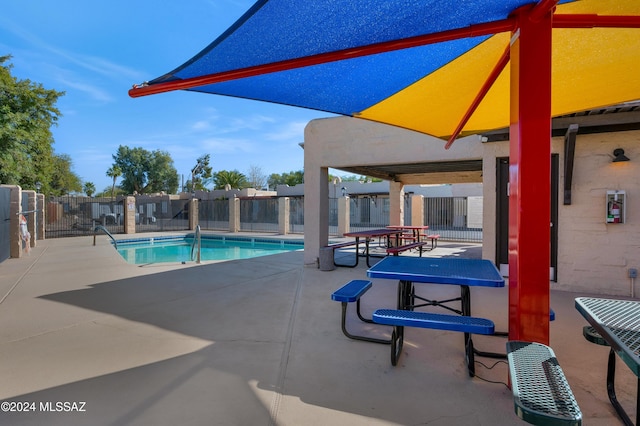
[[142, 251]]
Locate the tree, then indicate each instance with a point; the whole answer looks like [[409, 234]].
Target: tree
[[27, 112], [89, 188], [146, 172], [63, 180], [234, 179], [114, 173], [200, 174], [359, 178], [291, 179], [256, 178]]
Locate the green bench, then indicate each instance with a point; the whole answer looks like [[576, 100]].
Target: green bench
[[541, 392]]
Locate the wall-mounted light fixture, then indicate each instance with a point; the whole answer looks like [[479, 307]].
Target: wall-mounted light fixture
[[618, 155]]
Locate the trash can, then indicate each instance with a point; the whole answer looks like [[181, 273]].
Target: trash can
[[326, 259]]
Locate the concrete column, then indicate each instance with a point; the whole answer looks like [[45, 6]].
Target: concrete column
[[234, 214], [316, 209], [396, 203], [32, 216], [417, 210], [41, 216], [344, 215], [193, 213], [15, 200], [283, 215], [130, 215]]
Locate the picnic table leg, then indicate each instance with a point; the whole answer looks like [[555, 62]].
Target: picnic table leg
[[611, 390], [404, 295]]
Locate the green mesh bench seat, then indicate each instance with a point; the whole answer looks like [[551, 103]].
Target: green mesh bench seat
[[541, 392]]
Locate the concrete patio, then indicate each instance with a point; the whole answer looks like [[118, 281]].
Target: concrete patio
[[251, 342]]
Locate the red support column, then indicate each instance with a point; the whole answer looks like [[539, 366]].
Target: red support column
[[530, 179]]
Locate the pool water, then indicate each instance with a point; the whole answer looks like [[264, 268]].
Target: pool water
[[178, 249]]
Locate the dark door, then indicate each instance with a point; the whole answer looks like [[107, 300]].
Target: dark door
[[502, 215]]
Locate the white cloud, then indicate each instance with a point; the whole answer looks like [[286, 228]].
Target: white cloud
[[226, 145], [91, 90], [293, 130]]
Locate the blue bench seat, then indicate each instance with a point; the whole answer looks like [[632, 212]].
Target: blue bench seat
[[460, 323], [349, 293], [405, 318]]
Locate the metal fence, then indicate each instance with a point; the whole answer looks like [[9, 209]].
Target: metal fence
[[72, 216], [214, 214], [296, 215], [454, 218], [259, 214]]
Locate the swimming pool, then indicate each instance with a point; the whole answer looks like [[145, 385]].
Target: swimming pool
[[142, 251]]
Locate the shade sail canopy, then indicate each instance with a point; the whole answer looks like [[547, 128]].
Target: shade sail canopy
[[418, 64]]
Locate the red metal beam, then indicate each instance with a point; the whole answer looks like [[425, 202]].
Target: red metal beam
[[530, 180], [502, 62], [542, 9], [593, 21], [355, 52]]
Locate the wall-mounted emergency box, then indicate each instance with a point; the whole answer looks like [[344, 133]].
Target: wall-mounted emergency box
[[616, 206]]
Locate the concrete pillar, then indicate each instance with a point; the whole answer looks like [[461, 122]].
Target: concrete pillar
[[130, 215], [344, 215], [396, 203], [417, 210], [283, 215], [234, 214], [31, 216], [42, 216], [193, 213], [316, 209], [15, 249]]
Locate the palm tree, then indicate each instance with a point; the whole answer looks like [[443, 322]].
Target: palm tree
[[114, 172], [89, 188], [233, 178]]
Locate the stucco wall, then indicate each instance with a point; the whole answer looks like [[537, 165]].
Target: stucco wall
[[594, 257], [343, 142]]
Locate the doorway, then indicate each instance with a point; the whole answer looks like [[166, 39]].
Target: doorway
[[502, 216]]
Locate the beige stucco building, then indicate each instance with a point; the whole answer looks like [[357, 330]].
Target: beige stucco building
[[589, 254]]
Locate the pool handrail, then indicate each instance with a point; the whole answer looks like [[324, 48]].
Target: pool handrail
[[106, 231], [196, 240]]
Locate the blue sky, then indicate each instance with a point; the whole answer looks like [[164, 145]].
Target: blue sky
[[95, 51]]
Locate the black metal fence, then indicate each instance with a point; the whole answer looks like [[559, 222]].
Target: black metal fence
[[454, 218], [259, 214], [214, 214], [72, 216], [296, 215]]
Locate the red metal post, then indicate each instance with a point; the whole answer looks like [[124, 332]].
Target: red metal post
[[530, 179], [495, 73]]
